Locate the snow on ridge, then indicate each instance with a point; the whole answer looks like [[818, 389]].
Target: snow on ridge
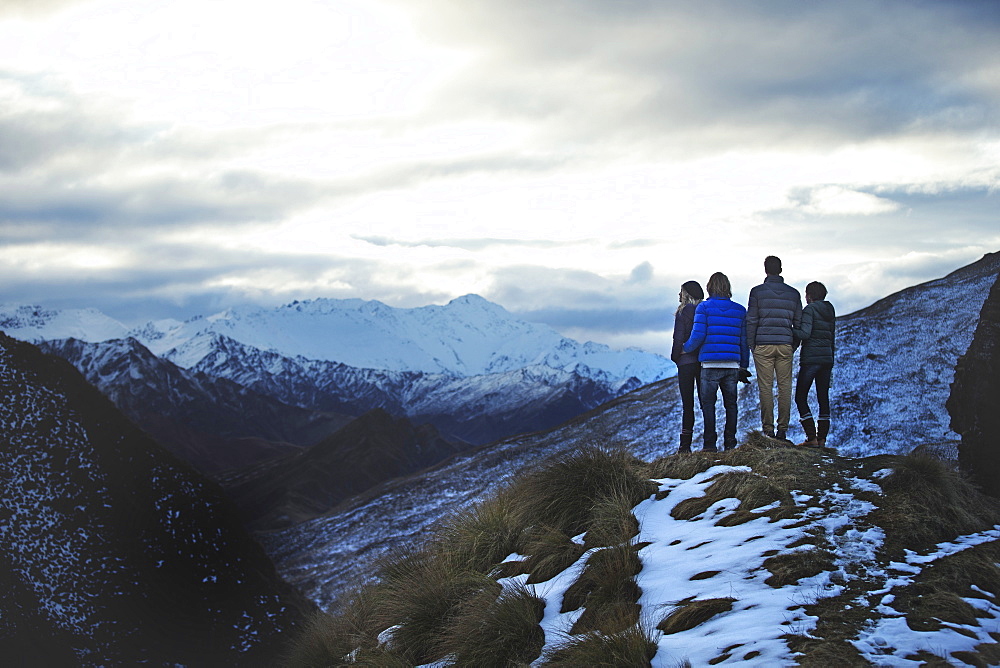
[[469, 336], [28, 322]]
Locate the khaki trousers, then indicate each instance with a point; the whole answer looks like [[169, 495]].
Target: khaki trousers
[[774, 363]]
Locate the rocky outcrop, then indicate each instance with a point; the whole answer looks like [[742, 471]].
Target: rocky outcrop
[[974, 404]]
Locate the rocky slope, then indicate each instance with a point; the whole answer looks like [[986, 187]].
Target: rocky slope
[[113, 552]]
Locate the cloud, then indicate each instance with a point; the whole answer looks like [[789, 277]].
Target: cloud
[[467, 244], [712, 76]]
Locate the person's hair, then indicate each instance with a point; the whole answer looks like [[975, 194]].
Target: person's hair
[[772, 265], [688, 298], [719, 286], [816, 290]]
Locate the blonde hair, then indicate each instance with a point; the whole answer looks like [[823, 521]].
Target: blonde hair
[[686, 299], [719, 286]]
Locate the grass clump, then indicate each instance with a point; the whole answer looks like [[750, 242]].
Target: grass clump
[[692, 613], [612, 521], [329, 639], [551, 552], [497, 631], [565, 493], [927, 502], [682, 467], [421, 593], [791, 567], [481, 537], [607, 591], [633, 646], [753, 491]]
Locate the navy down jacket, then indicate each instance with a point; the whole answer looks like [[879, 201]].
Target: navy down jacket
[[817, 333], [719, 333], [773, 311]]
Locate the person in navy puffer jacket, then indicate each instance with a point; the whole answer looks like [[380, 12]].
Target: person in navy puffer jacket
[[720, 337], [773, 312]]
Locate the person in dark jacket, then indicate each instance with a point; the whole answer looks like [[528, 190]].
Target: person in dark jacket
[[719, 335], [817, 333], [773, 311], [688, 367]]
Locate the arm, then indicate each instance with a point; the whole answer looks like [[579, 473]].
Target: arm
[[753, 317], [744, 346], [698, 331], [683, 322], [803, 330]]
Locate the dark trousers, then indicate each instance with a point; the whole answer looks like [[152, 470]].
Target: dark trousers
[[712, 380], [687, 380], [821, 374]]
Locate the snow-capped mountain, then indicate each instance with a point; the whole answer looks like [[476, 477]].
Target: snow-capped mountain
[[895, 364], [469, 367], [113, 552], [467, 337]]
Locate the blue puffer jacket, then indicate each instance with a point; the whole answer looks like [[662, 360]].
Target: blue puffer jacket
[[720, 332]]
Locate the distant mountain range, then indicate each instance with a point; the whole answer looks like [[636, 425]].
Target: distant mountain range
[[470, 368]]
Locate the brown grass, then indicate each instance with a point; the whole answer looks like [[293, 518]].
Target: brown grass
[[692, 613], [633, 646], [497, 632], [791, 567], [607, 591]]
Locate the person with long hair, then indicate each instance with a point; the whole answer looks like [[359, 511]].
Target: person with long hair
[[719, 335], [688, 367], [816, 332]]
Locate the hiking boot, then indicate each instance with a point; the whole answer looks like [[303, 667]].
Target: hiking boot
[[769, 433], [809, 427], [780, 435], [685, 444]]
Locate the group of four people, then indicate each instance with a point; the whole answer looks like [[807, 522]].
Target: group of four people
[[713, 341]]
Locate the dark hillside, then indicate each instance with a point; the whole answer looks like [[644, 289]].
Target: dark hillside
[[113, 551], [974, 403], [370, 450]]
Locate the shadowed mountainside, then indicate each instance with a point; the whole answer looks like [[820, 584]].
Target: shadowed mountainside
[[112, 551]]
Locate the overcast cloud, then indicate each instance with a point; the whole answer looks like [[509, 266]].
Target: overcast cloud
[[571, 161]]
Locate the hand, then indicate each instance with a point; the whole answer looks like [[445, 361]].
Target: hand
[[744, 376]]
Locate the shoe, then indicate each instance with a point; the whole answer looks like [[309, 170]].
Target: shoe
[[781, 437], [769, 433], [710, 449], [684, 451], [809, 443], [821, 443]]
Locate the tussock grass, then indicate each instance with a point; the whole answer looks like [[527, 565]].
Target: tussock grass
[[552, 552], [633, 646], [791, 567], [497, 631], [481, 537], [607, 591], [422, 593], [936, 596], [753, 491], [327, 639], [612, 521], [693, 613], [564, 493], [682, 467], [926, 502]]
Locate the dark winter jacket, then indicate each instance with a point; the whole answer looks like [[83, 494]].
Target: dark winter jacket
[[683, 322], [819, 324], [719, 333], [773, 311]]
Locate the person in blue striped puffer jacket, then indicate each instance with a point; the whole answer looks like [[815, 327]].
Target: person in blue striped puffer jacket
[[720, 337]]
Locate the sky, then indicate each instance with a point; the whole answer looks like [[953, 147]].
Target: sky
[[573, 162]]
